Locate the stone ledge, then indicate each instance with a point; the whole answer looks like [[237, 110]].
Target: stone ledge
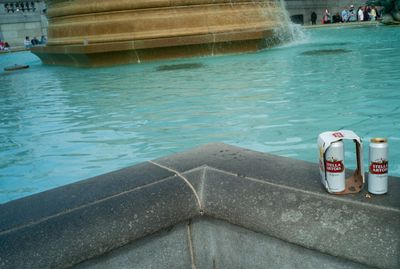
[[205, 243], [267, 194], [125, 52]]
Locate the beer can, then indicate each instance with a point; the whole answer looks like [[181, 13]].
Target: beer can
[[334, 167], [378, 166]]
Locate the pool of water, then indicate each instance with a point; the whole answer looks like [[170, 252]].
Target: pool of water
[[59, 125]]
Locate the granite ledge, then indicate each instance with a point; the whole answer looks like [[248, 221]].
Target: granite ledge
[[204, 243], [272, 195]]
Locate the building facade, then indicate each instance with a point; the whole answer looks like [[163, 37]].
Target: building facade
[[19, 19]]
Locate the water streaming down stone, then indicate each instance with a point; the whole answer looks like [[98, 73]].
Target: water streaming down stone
[[100, 33], [288, 31]]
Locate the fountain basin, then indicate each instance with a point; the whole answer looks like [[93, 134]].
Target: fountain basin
[[99, 33], [193, 208]]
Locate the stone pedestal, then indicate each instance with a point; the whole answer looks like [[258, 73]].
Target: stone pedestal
[[100, 33]]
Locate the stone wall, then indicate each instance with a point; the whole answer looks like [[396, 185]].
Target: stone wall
[[15, 25], [19, 19], [100, 33], [304, 8]]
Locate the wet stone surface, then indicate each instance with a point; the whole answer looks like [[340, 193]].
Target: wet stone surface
[[208, 199]]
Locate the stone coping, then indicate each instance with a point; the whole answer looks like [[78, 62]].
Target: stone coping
[[275, 196], [125, 52], [204, 243], [346, 24], [13, 49]]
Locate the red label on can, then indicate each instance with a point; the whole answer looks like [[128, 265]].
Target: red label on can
[[379, 168], [334, 166], [338, 135]]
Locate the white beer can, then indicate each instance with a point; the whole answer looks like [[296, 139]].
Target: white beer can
[[378, 166], [334, 167]]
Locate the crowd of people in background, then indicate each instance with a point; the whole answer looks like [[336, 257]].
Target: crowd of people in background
[[363, 13], [29, 43]]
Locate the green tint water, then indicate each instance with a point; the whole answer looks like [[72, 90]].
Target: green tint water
[[59, 125]]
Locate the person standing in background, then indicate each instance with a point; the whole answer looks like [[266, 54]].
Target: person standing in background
[[35, 41], [373, 13], [352, 14], [345, 15], [326, 19], [27, 43], [360, 14], [43, 40], [336, 18], [367, 10], [313, 18]]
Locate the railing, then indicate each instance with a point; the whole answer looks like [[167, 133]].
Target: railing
[[13, 7]]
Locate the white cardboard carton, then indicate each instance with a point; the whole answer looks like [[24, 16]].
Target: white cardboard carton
[[355, 183]]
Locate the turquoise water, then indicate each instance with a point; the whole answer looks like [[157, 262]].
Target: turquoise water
[[59, 125]]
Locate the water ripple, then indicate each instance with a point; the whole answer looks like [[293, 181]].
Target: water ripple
[[59, 125]]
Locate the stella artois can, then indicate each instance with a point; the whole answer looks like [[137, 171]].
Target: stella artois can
[[378, 166], [334, 166]]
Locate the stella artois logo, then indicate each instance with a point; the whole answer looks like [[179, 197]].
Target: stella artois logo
[[334, 166], [379, 167], [338, 135]]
